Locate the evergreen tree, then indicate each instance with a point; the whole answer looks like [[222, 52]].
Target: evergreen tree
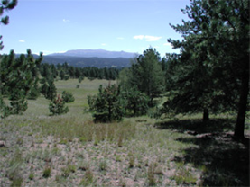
[[62, 74], [5, 6], [214, 56], [67, 97], [135, 101], [48, 89], [107, 104], [34, 92], [18, 77], [146, 74], [81, 78], [57, 106]]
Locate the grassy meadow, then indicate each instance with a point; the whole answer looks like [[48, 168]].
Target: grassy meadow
[[71, 150]]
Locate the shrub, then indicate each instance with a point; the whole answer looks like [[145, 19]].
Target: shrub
[[67, 97], [57, 106], [81, 78], [47, 172]]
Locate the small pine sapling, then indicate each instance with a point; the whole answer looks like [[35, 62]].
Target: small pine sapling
[[67, 97], [57, 106]]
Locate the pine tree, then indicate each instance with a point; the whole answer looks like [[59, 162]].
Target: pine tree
[[107, 104], [215, 50], [18, 76], [135, 101], [146, 74], [48, 89], [5, 6], [67, 97], [57, 106]]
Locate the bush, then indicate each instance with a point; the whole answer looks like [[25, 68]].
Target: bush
[[57, 106], [47, 172], [67, 97]]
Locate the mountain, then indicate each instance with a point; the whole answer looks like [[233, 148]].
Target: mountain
[[94, 53], [89, 58]]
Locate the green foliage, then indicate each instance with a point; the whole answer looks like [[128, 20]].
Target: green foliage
[[212, 72], [135, 101], [67, 170], [67, 97], [48, 89], [145, 75], [17, 182], [107, 104], [31, 176], [17, 102], [92, 102], [34, 92], [57, 106], [18, 76], [47, 172], [81, 78], [5, 6], [4, 111]]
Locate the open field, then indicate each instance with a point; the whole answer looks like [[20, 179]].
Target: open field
[[70, 150]]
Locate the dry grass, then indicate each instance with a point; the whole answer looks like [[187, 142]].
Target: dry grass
[[71, 150]]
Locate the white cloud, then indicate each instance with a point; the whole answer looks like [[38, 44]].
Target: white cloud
[[21, 40], [139, 37], [103, 44], [167, 44], [65, 20], [147, 37]]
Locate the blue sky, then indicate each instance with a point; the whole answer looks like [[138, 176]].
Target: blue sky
[[51, 26]]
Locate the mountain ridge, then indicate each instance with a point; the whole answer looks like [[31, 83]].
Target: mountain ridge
[[94, 53]]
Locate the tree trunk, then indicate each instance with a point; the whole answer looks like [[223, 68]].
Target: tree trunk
[[240, 122], [205, 115]]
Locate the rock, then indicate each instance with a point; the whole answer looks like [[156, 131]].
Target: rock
[[2, 143]]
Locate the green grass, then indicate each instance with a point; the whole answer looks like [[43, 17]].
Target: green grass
[[72, 150]]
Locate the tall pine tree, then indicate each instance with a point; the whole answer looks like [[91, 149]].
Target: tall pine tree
[[216, 42]]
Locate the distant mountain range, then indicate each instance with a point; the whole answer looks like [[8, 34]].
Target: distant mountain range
[[94, 53], [90, 58]]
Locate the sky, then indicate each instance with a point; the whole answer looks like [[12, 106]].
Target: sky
[[52, 26]]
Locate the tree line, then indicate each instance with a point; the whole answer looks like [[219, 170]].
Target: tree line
[[210, 75], [26, 77], [64, 71]]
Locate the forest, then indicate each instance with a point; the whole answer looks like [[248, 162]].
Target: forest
[[181, 120]]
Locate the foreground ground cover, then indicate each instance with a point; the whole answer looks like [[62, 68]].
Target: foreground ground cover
[[70, 150]]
